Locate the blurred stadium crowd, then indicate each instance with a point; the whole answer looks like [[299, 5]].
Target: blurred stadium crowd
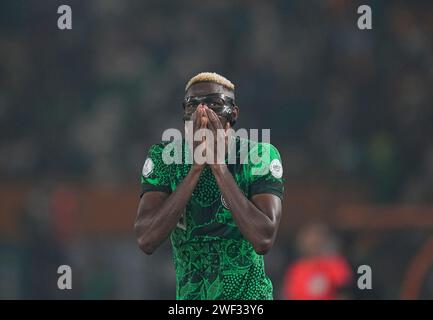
[[349, 110]]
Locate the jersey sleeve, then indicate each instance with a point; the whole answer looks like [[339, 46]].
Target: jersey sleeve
[[155, 175], [265, 170]]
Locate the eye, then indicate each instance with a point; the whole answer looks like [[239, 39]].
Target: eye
[[191, 106], [216, 104]]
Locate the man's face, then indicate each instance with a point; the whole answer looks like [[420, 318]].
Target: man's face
[[202, 89]]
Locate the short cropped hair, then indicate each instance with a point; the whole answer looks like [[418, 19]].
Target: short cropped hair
[[210, 77]]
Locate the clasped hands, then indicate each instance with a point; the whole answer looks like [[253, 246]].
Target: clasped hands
[[210, 138]]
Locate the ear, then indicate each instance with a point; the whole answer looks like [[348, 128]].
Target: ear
[[235, 114]]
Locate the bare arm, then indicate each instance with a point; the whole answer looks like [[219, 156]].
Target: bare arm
[[159, 212], [257, 219]]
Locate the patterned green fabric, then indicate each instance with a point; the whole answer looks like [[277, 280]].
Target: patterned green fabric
[[211, 257]]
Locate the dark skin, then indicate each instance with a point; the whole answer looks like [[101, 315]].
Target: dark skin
[[158, 212]]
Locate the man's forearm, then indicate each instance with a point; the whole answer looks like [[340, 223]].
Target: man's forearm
[[255, 225], [153, 229]]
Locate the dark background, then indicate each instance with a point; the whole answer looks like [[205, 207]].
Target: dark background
[[349, 110]]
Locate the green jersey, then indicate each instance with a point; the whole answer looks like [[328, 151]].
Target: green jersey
[[212, 259]]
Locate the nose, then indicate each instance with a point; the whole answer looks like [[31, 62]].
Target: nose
[[202, 105]]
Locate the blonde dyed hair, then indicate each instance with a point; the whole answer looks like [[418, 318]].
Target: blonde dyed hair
[[210, 77]]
